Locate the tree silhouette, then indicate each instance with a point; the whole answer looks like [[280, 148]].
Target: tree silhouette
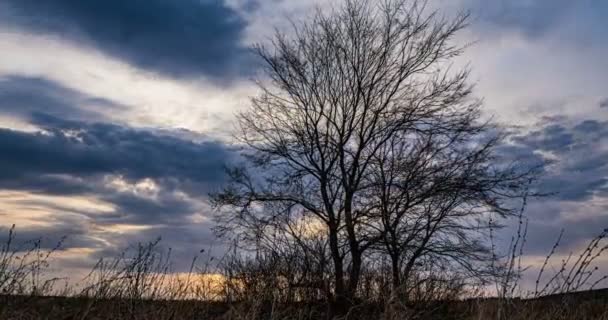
[[362, 128]]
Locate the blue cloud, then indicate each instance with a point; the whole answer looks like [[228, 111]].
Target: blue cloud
[[24, 97], [185, 38], [578, 168], [577, 20], [87, 149], [73, 154]]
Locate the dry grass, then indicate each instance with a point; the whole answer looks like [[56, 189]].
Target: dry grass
[[140, 284], [564, 308]]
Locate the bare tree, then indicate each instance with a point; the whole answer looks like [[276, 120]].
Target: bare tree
[[351, 98], [431, 193]]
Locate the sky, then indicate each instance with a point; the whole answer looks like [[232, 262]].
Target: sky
[[116, 116]]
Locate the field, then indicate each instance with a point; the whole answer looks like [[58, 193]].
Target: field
[[582, 305], [364, 177]]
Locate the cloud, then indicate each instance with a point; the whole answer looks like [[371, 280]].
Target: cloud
[[186, 38], [534, 18], [153, 182], [87, 149], [185, 242], [24, 97], [552, 137], [163, 208], [136, 185], [102, 184], [540, 18], [523, 50], [147, 177], [93, 240], [575, 171], [577, 152], [62, 234]]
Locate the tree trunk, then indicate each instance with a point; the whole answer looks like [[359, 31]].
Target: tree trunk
[[355, 271], [339, 287], [396, 272], [355, 250], [340, 304]]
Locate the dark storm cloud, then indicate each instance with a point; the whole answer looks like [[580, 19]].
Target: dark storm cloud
[[575, 172], [604, 103], [83, 149], [42, 183], [553, 137], [179, 38], [76, 152], [520, 154], [165, 209], [24, 97], [578, 168], [75, 158]]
